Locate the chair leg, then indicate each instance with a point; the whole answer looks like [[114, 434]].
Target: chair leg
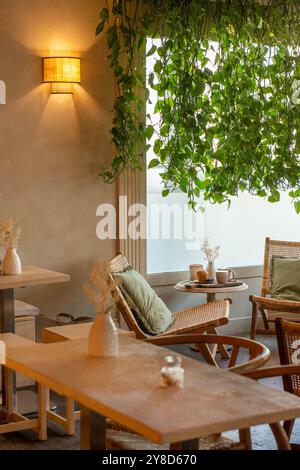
[[280, 436], [288, 427], [43, 394], [70, 417], [206, 354], [265, 318], [254, 320], [220, 347], [245, 438], [9, 392]]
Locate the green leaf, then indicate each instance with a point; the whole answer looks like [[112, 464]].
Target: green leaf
[[151, 51], [157, 146], [297, 206], [104, 14], [100, 28], [154, 163], [157, 67], [149, 131], [165, 192]]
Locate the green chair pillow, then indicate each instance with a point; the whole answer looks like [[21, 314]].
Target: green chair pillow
[[151, 313], [285, 278]]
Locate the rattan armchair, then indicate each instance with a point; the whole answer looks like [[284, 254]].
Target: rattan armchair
[[190, 320], [288, 340], [271, 308], [288, 373]]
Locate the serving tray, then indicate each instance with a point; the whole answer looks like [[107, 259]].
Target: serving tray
[[214, 285]]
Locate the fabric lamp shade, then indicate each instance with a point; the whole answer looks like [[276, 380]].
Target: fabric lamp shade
[[62, 73]]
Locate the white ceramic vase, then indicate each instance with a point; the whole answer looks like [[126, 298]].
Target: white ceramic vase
[[211, 269], [11, 262], [103, 337]]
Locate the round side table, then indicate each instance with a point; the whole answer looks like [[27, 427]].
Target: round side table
[[211, 293]]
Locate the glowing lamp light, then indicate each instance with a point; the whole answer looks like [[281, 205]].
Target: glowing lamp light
[[62, 73]]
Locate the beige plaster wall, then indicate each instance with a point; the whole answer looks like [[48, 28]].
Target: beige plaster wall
[[51, 146]]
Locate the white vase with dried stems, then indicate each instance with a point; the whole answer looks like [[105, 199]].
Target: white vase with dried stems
[[103, 337], [10, 233], [210, 254]]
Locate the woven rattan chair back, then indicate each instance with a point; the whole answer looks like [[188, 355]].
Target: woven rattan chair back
[[118, 265], [288, 339], [276, 248]]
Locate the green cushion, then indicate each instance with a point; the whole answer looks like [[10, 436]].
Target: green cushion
[[151, 313], [285, 278]]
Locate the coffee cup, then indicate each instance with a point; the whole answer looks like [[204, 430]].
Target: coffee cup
[[194, 268], [202, 275], [225, 275]]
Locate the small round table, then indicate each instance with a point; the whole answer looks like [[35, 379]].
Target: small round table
[[211, 297], [209, 291]]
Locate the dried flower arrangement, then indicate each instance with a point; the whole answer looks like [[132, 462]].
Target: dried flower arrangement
[[102, 288], [210, 253], [10, 232]]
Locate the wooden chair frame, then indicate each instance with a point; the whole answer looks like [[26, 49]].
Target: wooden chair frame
[[15, 420], [262, 304], [285, 371], [259, 354]]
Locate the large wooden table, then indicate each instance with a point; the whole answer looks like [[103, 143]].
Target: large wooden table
[[30, 276], [127, 389]]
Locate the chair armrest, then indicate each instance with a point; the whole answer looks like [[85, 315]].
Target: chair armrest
[[274, 371], [276, 304]]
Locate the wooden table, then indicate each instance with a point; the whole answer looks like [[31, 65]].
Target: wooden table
[[127, 389], [209, 291], [30, 276], [55, 334]]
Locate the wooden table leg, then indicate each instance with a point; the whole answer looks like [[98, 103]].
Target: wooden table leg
[[210, 298], [7, 324], [92, 430], [7, 311], [186, 445], [280, 435]]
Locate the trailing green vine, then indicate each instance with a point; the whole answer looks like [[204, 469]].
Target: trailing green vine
[[227, 112]]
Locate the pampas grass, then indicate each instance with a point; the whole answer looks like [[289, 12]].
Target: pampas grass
[[101, 288], [10, 232]]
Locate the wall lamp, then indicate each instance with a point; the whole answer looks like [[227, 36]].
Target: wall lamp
[[62, 73]]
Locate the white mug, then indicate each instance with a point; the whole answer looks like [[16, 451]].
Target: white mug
[[225, 275]]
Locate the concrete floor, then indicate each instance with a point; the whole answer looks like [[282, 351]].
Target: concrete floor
[[261, 436]]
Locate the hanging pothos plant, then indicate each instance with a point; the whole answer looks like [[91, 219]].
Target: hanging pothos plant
[[226, 74]]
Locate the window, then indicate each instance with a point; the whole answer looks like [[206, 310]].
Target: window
[[175, 232]]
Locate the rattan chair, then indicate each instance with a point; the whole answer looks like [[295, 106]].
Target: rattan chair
[[121, 438], [288, 373], [195, 319], [272, 308], [288, 340]]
